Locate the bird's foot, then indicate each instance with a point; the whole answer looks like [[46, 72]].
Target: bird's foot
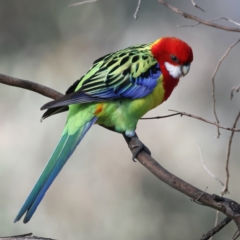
[[137, 146]]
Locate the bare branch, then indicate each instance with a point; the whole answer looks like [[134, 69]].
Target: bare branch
[[236, 235], [210, 234], [28, 236], [229, 207], [35, 87], [158, 117], [196, 6], [234, 89], [213, 81], [137, 9], [212, 20], [227, 19], [216, 221], [18, 236], [205, 120], [216, 229], [80, 3], [225, 189], [195, 18]]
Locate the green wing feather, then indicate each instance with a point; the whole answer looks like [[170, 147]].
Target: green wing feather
[[129, 73]]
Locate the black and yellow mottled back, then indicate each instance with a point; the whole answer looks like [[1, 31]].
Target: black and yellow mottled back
[[129, 73]]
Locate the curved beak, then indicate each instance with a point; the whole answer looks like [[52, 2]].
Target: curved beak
[[185, 69]]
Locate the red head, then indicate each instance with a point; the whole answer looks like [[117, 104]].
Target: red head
[[173, 55]]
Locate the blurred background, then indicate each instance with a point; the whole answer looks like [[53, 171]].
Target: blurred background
[[101, 193]]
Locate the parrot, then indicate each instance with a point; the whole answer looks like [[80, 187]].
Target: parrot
[[115, 93]]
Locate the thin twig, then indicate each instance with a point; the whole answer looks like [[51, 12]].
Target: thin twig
[[196, 6], [227, 19], [137, 9], [196, 200], [236, 235], [216, 221], [225, 189], [213, 81], [205, 120], [80, 3], [213, 176], [216, 229], [234, 89], [202, 21], [170, 115], [212, 20], [206, 168]]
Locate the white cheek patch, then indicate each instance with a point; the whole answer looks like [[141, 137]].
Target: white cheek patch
[[174, 71]]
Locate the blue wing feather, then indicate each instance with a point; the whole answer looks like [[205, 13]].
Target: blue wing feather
[[136, 88]]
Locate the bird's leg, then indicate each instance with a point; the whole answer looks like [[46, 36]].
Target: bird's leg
[[135, 145]]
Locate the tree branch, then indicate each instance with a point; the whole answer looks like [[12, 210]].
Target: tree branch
[[212, 20], [213, 81], [158, 117], [225, 189], [195, 18], [216, 229], [229, 207], [28, 236], [35, 87], [205, 120]]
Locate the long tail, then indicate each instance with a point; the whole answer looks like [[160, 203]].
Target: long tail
[[63, 151]]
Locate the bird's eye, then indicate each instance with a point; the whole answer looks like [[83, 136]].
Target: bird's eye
[[174, 58]]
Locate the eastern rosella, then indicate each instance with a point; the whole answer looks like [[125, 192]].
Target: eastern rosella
[[118, 90]]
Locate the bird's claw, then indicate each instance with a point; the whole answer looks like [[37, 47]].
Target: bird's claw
[[136, 147]]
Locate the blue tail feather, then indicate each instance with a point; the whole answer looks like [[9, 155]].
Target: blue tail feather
[[63, 151]]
